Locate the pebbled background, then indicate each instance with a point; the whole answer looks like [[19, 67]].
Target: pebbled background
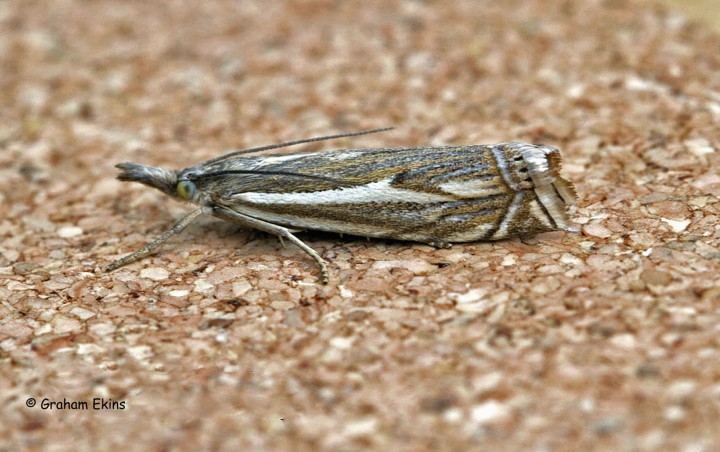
[[604, 339], [707, 11]]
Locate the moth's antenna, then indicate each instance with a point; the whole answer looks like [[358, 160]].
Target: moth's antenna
[[264, 173], [293, 143]]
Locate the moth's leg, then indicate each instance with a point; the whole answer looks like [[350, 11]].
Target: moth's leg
[[281, 232], [147, 249], [439, 244]]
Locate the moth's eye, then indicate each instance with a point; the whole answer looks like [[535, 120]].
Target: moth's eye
[[186, 189]]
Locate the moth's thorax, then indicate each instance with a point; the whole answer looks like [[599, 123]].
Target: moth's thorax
[[204, 186], [237, 163]]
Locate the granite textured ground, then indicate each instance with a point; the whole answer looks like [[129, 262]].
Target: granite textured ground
[[604, 339]]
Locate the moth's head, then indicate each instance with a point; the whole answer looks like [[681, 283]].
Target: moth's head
[[164, 180]]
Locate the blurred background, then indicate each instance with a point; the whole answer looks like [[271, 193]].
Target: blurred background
[[707, 11]]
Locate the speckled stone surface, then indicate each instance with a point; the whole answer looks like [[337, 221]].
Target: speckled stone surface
[[603, 339]]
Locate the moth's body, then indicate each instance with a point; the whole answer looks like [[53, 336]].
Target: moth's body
[[435, 195]]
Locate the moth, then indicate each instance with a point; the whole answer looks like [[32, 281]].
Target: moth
[[434, 195]]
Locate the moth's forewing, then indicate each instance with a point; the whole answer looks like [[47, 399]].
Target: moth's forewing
[[433, 194]]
